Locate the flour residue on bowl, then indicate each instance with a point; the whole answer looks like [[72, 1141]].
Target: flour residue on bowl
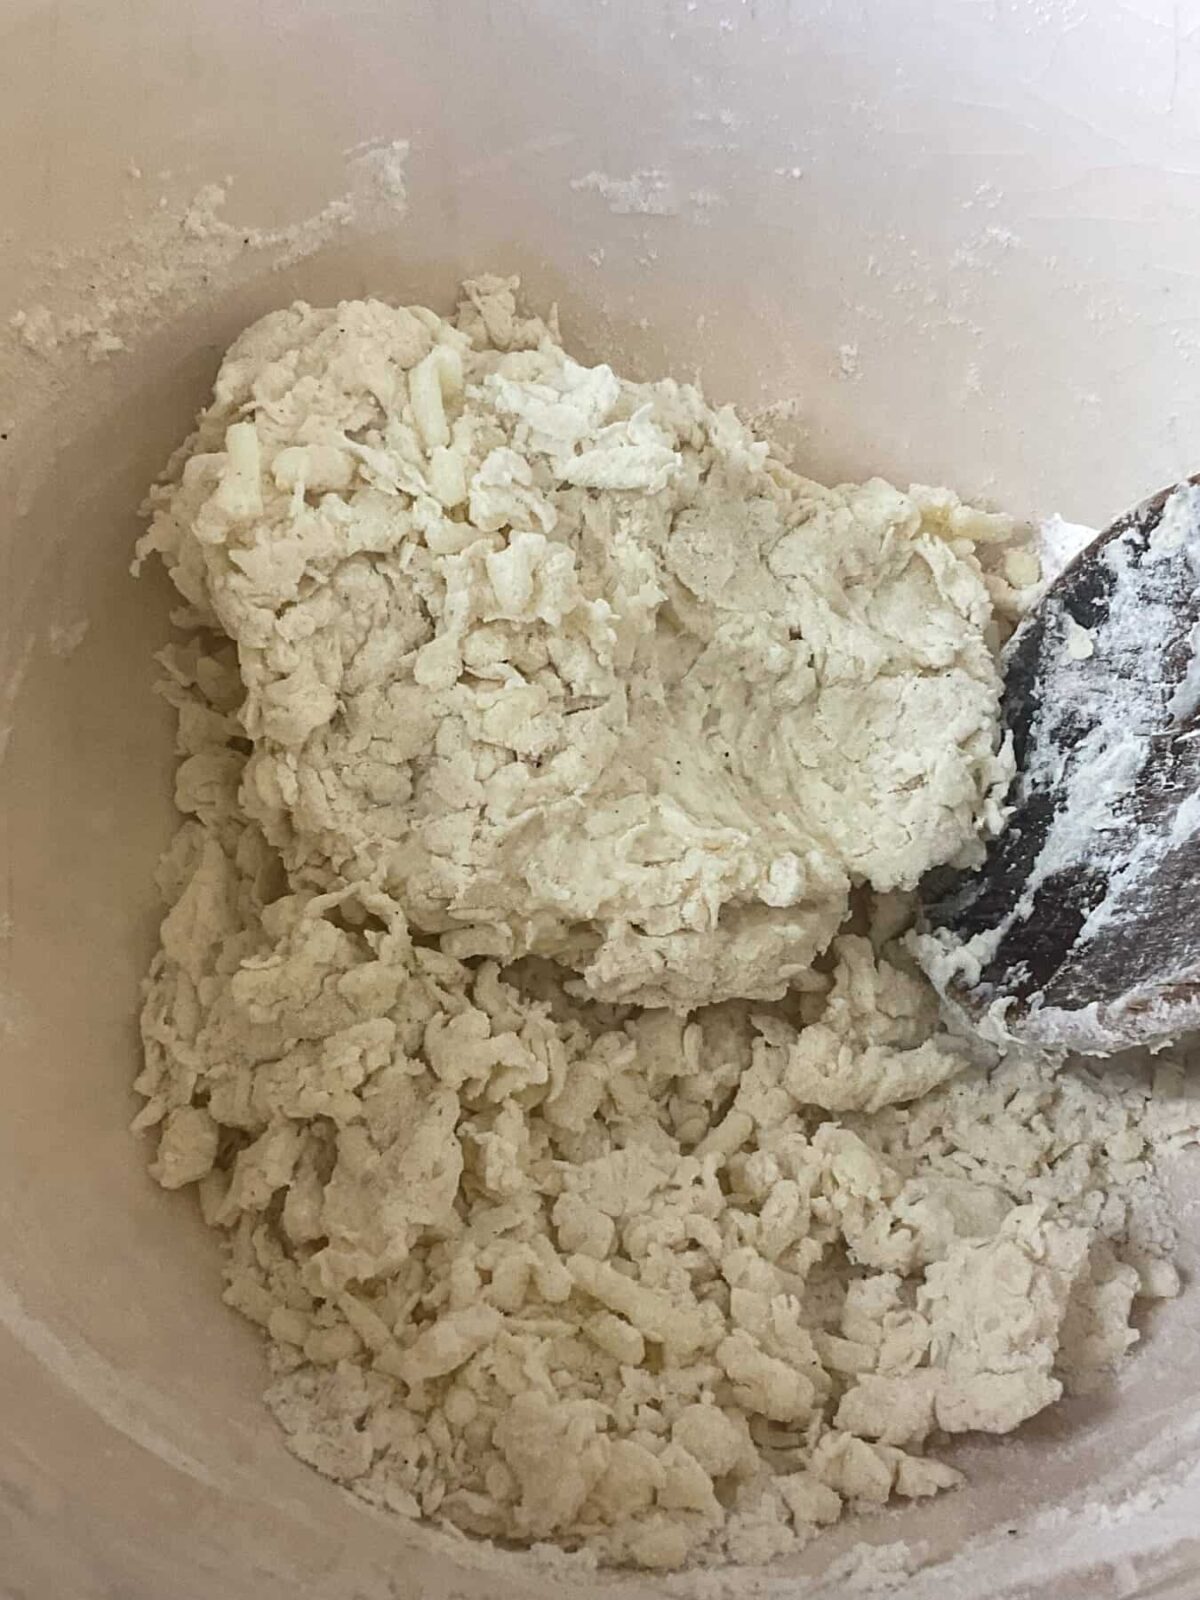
[[110, 296]]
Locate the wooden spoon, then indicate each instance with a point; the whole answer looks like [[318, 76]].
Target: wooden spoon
[[1081, 929]]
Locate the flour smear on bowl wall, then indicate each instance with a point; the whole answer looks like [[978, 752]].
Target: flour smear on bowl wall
[[534, 1014]]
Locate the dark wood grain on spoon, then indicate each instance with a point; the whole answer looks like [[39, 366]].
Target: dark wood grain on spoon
[[1091, 894]]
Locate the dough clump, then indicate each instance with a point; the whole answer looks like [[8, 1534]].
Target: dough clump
[[532, 1012]]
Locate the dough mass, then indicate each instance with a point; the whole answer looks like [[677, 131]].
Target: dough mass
[[531, 1012]]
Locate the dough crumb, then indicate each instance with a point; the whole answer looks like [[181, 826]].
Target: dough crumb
[[532, 1013]]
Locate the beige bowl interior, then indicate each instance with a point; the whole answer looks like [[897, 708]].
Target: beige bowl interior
[[952, 242]]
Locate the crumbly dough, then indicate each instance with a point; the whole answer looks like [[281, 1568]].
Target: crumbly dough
[[532, 1012]]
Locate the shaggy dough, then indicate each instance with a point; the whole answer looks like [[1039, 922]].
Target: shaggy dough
[[570, 667], [530, 1012]]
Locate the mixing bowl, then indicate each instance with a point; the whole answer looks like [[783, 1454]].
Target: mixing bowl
[[947, 241]]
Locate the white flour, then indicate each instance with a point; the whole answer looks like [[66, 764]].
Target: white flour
[[531, 1010], [173, 256]]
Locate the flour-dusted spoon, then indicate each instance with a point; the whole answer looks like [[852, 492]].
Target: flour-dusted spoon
[[1082, 927]]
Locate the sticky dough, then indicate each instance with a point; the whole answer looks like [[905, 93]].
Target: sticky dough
[[530, 1013], [571, 667]]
